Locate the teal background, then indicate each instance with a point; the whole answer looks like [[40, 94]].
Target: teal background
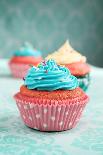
[[48, 23]]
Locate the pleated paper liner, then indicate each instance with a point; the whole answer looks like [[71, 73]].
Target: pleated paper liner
[[19, 70], [46, 115]]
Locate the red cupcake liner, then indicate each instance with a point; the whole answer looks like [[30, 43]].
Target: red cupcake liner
[[50, 115], [19, 70]]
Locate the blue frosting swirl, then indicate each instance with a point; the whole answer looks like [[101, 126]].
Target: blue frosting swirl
[[27, 50], [49, 76]]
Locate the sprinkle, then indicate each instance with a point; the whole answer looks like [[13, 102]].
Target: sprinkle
[[23, 78], [37, 69], [39, 65], [31, 65], [62, 65], [44, 63], [46, 71], [40, 78], [62, 80]]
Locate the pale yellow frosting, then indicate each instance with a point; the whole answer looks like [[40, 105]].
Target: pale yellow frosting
[[66, 54]]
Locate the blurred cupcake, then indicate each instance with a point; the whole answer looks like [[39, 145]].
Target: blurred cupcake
[[74, 61], [23, 58], [50, 99]]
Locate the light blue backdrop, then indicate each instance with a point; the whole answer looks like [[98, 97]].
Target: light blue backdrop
[[48, 23]]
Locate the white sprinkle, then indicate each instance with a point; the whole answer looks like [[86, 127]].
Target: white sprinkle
[[39, 78]]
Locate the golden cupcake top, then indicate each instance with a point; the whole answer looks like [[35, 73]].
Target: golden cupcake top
[[66, 54]]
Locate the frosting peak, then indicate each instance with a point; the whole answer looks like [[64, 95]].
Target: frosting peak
[[27, 50], [66, 54], [49, 76], [66, 47]]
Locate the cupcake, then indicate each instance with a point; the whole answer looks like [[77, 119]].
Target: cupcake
[[50, 99], [22, 59], [75, 62]]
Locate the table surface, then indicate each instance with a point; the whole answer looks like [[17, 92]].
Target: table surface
[[17, 139]]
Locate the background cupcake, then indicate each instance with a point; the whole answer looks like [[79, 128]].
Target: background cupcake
[[74, 61], [23, 58], [50, 99]]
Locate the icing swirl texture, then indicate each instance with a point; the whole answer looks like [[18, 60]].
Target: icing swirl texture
[[49, 76], [27, 50], [66, 55]]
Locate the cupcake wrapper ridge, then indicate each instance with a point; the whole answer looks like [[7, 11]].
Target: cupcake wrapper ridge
[[50, 117]]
